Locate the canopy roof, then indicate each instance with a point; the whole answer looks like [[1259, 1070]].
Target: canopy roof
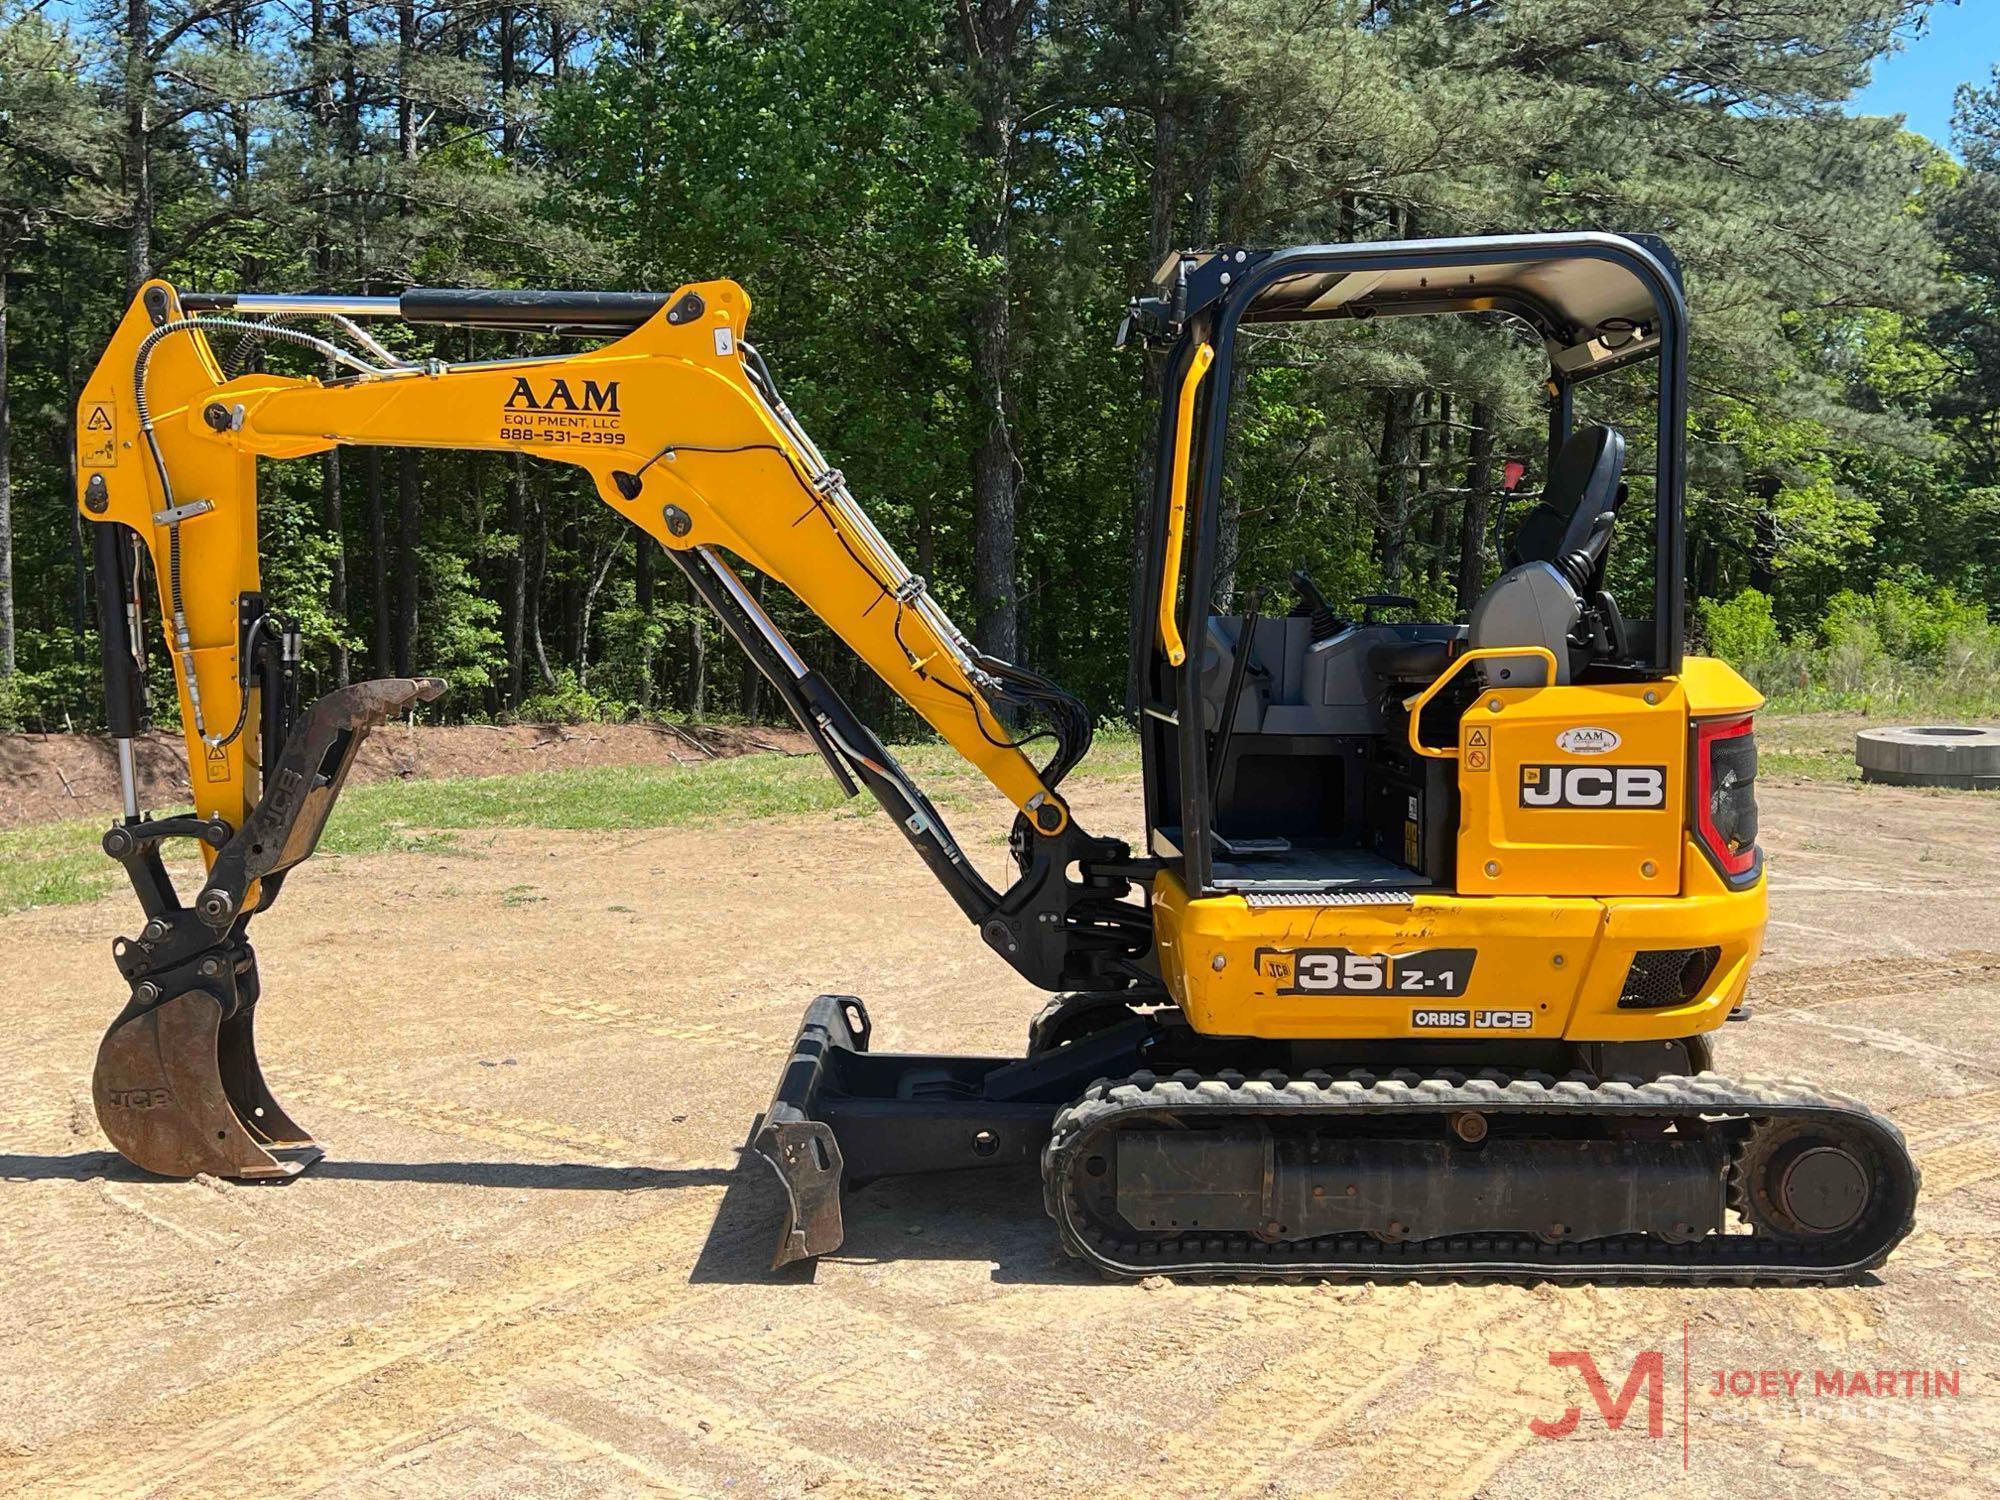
[[1580, 292]]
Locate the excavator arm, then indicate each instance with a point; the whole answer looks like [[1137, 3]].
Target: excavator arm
[[682, 431]]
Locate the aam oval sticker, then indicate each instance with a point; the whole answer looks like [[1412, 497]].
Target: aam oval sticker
[[1587, 740]]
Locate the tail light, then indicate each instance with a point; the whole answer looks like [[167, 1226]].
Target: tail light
[[1725, 797]]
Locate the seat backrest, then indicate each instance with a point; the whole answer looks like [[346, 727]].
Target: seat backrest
[[1570, 526]]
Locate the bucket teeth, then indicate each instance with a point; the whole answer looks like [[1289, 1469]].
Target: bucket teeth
[[178, 1091]]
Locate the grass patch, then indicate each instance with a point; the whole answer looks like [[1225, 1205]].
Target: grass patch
[[392, 816], [52, 864], [60, 864], [1819, 747]]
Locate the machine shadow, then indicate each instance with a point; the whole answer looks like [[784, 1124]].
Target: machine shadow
[[992, 1215], [78, 1166], [983, 1215], [82, 1166]]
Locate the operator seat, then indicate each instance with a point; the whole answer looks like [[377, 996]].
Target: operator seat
[[1570, 526], [1564, 540], [1556, 564]]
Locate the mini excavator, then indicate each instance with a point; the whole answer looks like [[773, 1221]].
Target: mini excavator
[[1418, 971]]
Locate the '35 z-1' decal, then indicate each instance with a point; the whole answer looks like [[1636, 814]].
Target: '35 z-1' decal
[[1342, 971]]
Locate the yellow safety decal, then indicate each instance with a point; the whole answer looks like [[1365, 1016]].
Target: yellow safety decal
[[1479, 750], [98, 447]]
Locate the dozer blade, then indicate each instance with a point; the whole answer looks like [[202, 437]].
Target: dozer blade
[[802, 1150], [179, 1092]]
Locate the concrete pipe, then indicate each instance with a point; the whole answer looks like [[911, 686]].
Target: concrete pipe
[[1959, 755]]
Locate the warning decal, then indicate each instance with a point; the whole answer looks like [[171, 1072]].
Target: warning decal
[[1477, 752], [98, 448], [217, 763]]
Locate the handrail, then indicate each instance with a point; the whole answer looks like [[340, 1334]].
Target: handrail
[[1414, 706], [1170, 564]]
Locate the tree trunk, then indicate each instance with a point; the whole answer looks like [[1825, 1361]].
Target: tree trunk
[[1764, 534], [509, 80], [642, 597], [406, 102], [597, 577], [336, 583], [753, 680], [991, 31], [378, 564], [1707, 571], [541, 573], [1228, 547], [1439, 463], [571, 644], [697, 659], [514, 606], [1392, 483], [1478, 502], [995, 601], [407, 531], [7, 661], [138, 143], [1162, 197], [79, 609], [324, 117]]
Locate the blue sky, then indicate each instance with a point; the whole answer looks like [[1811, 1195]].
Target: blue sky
[[1961, 46]]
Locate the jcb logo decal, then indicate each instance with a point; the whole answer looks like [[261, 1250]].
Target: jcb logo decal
[[138, 1098], [560, 396], [1593, 786]]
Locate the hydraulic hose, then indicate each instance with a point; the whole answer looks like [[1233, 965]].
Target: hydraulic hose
[[183, 642]]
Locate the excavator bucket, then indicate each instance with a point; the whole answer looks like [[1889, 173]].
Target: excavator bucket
[[178, 1088], [179, 1091]]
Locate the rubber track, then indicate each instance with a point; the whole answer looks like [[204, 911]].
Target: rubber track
[[1722, 1258]]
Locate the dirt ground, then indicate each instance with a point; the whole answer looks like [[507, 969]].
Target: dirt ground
[[47, 778], [532, 1264]]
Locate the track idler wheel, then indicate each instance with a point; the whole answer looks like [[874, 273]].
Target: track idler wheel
[[179, 1092], [1801, 1180]]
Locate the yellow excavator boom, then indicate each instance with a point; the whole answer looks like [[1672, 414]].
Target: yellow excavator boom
[[668, 420]]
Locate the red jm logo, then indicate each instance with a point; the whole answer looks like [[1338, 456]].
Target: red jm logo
[[1648, 1373]]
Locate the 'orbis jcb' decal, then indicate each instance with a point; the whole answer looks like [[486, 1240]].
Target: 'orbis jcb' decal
[[1342, 971], [1594, 786], [562, 411], [1473, 1020]]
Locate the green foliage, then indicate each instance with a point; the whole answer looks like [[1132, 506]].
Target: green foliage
[[834, 157], [459, 622], [1740, 629], [1909, 617], [1907, 645], [568, 702]]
